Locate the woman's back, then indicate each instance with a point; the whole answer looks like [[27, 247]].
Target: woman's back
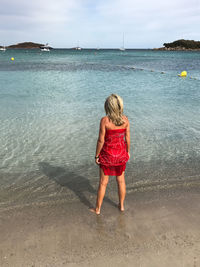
[[112, 150], [109, 125], [113, 155]]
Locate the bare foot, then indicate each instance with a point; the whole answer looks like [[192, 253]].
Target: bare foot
[[95, 211], [121, 208]]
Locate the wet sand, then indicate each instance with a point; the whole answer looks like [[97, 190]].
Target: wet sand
[[158, 228]]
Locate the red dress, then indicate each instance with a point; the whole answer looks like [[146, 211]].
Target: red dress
[[113, 156]]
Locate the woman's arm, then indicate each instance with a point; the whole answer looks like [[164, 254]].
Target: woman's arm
[[100, 141], [127, 137]]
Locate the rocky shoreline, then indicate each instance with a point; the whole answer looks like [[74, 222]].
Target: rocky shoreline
[[175, 49]]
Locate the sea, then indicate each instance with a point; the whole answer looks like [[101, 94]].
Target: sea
[[51, 104]]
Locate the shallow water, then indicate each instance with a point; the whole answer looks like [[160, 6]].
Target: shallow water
[[51, 104]]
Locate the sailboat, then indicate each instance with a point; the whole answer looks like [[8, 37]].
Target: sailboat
[[122, 48], [78, 47], [3, 48]]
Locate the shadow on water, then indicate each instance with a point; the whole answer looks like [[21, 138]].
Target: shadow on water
[[76, 183]]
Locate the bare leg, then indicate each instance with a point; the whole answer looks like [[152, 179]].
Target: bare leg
[[101, 191], [121, 190]]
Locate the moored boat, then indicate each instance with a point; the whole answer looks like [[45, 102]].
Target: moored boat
[[45, 48], [3, 48]]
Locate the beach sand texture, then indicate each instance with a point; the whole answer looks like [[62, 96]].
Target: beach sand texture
[[158, 228]]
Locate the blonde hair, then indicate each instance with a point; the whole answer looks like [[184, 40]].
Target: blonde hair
[[114, 109]]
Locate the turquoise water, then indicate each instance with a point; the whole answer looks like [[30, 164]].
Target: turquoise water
[[51, 104]]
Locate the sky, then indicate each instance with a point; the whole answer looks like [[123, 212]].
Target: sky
[[99, 23]]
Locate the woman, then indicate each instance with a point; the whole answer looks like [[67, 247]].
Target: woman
[[113, 149]]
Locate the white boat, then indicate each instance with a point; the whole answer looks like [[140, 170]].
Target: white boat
[[122, 48], [3, 48], [45, 48], [78, 47]]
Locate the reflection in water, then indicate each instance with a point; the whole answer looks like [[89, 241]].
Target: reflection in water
[[100, 225], [111, 224], [121, 222]]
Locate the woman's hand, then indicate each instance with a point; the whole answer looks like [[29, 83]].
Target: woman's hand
[[97, 160], [129, 155]]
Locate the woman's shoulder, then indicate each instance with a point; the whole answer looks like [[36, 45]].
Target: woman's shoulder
[[125, 119], [104, 119]]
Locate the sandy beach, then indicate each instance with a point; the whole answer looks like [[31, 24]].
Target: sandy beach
[[51, 105], [160, 227]]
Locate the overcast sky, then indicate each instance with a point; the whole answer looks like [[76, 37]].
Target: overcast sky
[[99, 23]]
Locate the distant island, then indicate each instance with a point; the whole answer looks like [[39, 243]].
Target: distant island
[[26, 45], [180, 45]]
